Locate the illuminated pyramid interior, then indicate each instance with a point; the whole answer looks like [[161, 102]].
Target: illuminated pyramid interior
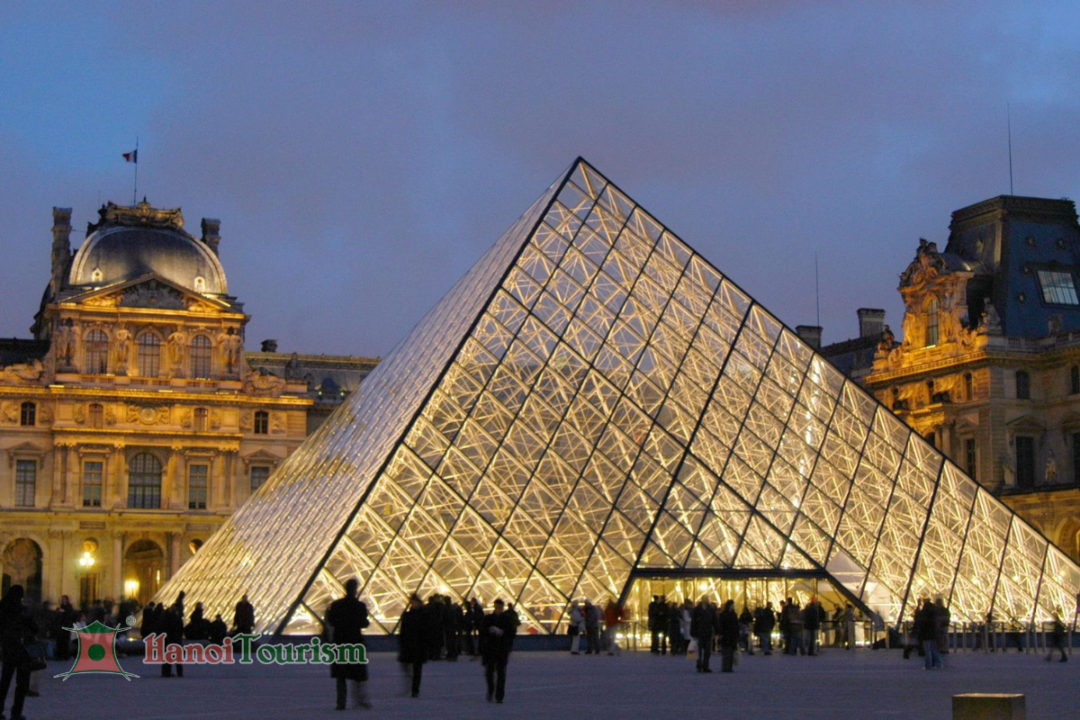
[[595, 403]]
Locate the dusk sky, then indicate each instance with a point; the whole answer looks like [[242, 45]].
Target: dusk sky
[[362, 156]]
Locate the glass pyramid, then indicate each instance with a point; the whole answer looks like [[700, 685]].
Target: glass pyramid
[[592, 401]]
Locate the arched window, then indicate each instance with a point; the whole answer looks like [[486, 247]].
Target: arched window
[[28, 414], [1023, 385], [262, 422], [97, 352], [149, 355], [97, 415], [932, 323], [200, 356], [1074, 379], [144, 481]]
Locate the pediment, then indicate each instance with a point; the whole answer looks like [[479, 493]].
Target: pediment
[[1026, 424], [150, 291], [262, 456]]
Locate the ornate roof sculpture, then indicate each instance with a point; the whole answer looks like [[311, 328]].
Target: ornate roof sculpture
[[594, 399]]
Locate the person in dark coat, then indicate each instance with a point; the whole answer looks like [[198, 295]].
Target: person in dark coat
[[813, 614], [674, 629], [926, 632], [347, 618], [244, 616], [65, 618], [764, 622], [455, 619], [474, 616], [16, 630], [497, 638], [702, 630], [171, 622], [217, 630], [592, 629], [728, 623], [149, 620], [415, 641]]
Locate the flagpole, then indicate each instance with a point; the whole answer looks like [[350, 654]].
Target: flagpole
[[135, 190]]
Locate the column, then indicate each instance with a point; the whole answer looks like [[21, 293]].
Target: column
[[117, 566], [59, 458], [72, 471], [174, 553], [118, 482], [218, 480], [176, 479]]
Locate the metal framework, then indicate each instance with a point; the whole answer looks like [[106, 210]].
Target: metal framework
[[594, 402]]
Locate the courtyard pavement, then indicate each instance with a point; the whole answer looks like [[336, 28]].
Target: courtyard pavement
[[835, 685]]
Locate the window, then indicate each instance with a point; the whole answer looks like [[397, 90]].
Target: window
[[28, 414], [200, 356], [1058, 288], [197, 483], [1025, 462], [97, 353], [262, 422], [969, 456], [92, 476], [97, 415], [144, 482], [1074, 379], [25, 482], [931, 437], [1076, 458], [969, 387], [1023, 385], [200, 419], [932, 323], [149, 355], [259, 475]]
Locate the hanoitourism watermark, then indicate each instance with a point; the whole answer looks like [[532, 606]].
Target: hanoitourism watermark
[[242, 649], [97, 650]]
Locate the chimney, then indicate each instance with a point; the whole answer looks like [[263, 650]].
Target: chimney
[[871, 322], [811, 335], [61, 248], [210, 229], [269, 346]]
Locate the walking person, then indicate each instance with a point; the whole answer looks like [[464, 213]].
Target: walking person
[[613, 620], [415, 642], [16, 630], [746, 639], [764, 622], [575, 628], [592, 629], [497, 637], [812, 618], [347, 617], [1057, 640], [926, 632], [702, 629], [728, 625], [171, 622]]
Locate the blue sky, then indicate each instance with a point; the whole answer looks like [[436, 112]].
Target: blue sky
[[361, 156]]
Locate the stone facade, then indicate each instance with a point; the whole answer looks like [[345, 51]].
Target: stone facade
[[988, 367], [134, 423]]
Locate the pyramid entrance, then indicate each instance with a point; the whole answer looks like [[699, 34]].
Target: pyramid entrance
[[595, 400]]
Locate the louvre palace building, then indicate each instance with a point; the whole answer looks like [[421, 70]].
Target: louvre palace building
[[135, 421], [597, 411], [988, 369]]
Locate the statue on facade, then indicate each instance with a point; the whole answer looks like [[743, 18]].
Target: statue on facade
[[123, 349], [230, 344], [1050, 471], [176, 343], [260, 382], [65, 344], [887, 340], [24, 373], [991, 321], [293, 369]]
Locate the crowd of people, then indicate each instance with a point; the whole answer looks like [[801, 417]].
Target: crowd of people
[[442, 629], [704, 627], [438, 630]]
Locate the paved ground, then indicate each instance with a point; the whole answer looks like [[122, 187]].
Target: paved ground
[[848, 686]]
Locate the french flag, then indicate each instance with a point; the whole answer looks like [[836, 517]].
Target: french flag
[[132, 157]]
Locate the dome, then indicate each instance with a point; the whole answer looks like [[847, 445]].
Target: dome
[[118, 250]]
